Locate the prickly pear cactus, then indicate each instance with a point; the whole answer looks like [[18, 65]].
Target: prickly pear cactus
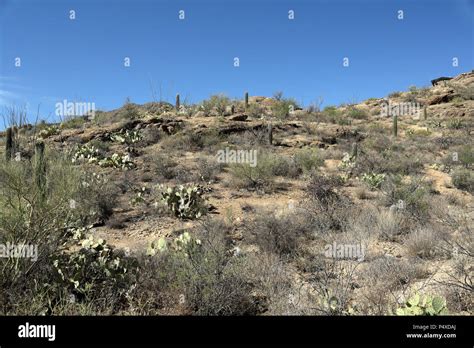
[[185, 202], [424, 305]]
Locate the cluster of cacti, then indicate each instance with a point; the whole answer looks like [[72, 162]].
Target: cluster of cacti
[[348, 162], [126, 136], [117, 161], [87, 153], [185, 202], [373, 180], [49, 131], [94, 263], [424, 305], [182, 243], [139, 196]]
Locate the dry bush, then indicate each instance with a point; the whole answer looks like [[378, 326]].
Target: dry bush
[[423, 243], [280, 234], [328, 209]]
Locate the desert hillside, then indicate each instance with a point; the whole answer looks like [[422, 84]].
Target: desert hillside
[[252, 206]]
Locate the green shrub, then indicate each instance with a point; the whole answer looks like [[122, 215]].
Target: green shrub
[[463, 179], [216, 103], [308, 159], [357, 113]]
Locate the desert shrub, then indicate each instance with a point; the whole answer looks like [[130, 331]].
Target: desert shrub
[[388, 162], [463, 179], [328, 209], [261, 175], [422, 243], [357, 113], [216, 103], [409, 197], [253, 137], [211, 280], [280, 234], [455, 124], [96, 198], [164, 166], [308, 159], [333, 285], [392, 274], [465, 92], [73, 122], [395, 94], [43, 217], [283, 106], [208, 169], [185, 202], [255, 111]]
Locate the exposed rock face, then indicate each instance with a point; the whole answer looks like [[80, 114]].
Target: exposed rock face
[[442, 98], [238, 117], [439, 79]]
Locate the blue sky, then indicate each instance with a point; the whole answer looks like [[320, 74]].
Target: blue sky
[[83, 59]]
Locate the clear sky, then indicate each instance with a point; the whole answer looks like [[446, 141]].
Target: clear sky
[[83, 59]]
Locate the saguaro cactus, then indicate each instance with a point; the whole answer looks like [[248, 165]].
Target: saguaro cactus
[[425, 114], [40, 169], [232, 109], [246, 100], [270, 133], [9, 144], [395, 126], [178, 104], [354, 150]]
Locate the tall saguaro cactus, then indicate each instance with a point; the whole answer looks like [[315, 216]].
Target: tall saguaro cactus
[[178, 104], [246, 100], [354, 150], [40, 169], [395, 126], [9, 144], [425, 113], [270, 133]]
